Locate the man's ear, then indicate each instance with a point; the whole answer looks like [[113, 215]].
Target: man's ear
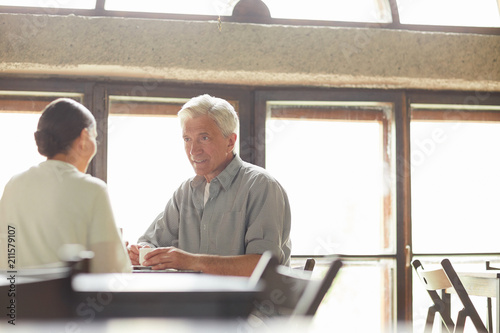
[[232, 141]]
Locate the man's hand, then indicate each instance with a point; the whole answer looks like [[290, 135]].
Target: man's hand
[[171, 257], [133, 253]]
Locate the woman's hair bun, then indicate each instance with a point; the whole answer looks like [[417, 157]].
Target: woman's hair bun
[[60, 124], [47, 144]]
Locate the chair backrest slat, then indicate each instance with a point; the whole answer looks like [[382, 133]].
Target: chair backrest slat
[[289, 292], [434, 279]]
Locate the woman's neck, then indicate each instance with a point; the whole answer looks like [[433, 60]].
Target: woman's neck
[[68, 158]]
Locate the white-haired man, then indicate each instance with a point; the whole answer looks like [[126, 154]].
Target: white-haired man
[[221, 220]]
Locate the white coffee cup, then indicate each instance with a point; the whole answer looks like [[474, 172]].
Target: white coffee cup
[[142, 253]]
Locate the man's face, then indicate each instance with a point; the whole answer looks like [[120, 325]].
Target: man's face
[[207, 149]]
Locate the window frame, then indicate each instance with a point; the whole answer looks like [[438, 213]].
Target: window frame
[[99, 11], [400, 124], [252, 107], [467, 98]]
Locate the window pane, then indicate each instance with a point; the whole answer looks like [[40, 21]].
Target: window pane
[[146, 159], [332, 10], [196, 7], [73, 4], [360, 290], [455, 184], [479, 13], [19, 114], [334, 174]]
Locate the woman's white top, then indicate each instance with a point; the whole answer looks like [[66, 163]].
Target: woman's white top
[[53, 204]]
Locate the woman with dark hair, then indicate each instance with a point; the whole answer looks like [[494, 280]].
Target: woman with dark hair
[[56, 202]]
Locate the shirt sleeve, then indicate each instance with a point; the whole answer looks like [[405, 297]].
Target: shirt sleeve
[[268, 220], [110, 255]]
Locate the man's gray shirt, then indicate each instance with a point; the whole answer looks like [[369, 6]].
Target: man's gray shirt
[[247, 212]]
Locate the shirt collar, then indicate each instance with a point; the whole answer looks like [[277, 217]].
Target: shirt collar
[[227, 175]]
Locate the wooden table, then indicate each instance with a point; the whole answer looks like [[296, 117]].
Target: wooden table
[[163, 295], [89, 297], [486, 284]]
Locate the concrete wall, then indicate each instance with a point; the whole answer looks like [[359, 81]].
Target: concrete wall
[[246, 53]]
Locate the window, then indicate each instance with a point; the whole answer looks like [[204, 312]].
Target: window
[[339, 200], [335, 160], [146, 159], [19, 114], [477, 13], [73, 4], [337, 10], [332, 10], [455, 188], [196, 7], [362, 289], [455, 180], [341, 139], [481, 16]]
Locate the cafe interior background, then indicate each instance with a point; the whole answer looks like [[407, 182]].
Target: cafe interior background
[[381, 118]]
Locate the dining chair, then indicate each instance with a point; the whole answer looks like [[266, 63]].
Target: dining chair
[[434, 281], [489, 313], [46, 292], [289, 292], [308, 265], [41, 294], [469, 310], [316, 291], [442, 279]]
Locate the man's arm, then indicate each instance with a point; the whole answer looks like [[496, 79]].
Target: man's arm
[[171, 257]]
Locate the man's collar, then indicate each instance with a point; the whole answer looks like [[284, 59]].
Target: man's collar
[[227, 175]]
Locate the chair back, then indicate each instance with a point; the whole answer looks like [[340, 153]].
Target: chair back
[[316, 291], [447, 278], [41, 294], [45, 292], [310, 264], [288, 292], [469, 310], [434, 281]]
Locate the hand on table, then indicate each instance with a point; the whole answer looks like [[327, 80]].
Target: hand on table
[[171, 257], [133, 253]]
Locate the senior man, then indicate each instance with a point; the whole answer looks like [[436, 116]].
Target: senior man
[[223, 219]]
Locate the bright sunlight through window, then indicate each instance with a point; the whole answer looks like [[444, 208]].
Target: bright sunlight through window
[[73, 4], [478, 13]]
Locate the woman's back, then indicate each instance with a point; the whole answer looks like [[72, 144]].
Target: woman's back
[[56, 203]]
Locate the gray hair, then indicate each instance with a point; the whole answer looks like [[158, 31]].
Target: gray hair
[[218, 109]]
